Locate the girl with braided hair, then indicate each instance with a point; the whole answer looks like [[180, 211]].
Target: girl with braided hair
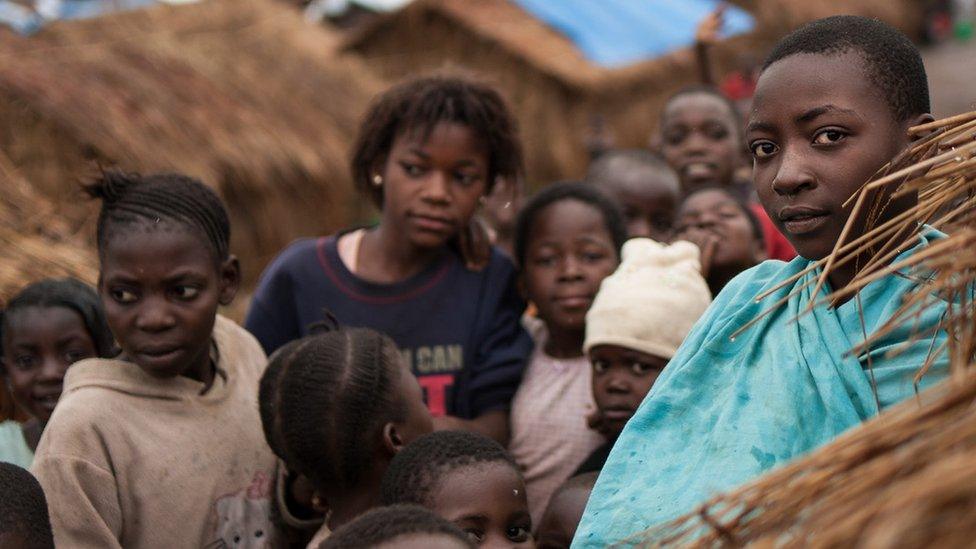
[[428, 153], [336, 407], [161, 447]]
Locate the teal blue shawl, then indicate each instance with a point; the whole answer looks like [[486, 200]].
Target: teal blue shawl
[[725, 410]]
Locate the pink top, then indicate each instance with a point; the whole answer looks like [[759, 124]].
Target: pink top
[[550, 438]]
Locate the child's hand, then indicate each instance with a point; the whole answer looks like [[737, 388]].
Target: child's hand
[[707, 243], [709, 27]]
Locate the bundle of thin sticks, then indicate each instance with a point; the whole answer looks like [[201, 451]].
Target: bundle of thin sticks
[[907, 477]]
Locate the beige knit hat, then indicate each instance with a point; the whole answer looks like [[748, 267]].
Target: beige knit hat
[[652, 300]]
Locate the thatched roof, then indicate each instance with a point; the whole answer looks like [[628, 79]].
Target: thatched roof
[[240, 93], [556, 91], [35, 244]]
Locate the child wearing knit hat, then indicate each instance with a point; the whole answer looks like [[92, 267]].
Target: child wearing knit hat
[[638, 320]]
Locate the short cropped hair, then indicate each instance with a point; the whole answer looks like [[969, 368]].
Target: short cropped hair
[[23, 508], [388, 523], [894, 64], [414, 471]]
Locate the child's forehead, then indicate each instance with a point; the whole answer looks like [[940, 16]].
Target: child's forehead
[[700, 105], [805, 81]]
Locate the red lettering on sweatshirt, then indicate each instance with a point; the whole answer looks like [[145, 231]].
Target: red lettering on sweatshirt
[[436, 389]]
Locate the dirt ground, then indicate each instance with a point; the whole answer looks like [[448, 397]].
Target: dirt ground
[[951, 68]]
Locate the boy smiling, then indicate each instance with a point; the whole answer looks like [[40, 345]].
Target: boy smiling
[[833, 105]]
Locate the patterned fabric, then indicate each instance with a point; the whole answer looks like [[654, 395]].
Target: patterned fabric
[[549, 433]]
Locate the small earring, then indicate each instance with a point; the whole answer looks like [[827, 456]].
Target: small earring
[[507, 205], [482, 200], [377, 180]]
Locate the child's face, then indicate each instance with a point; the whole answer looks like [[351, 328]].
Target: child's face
[[621, 379], [161, 288], [431, 187], [818, 130], [562, 517], [648, 201], [699, 140], [39, 343], [486, 500], [570, 251], [713, 214]]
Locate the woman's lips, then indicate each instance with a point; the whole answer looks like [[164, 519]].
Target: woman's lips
[[617, 414], [802, 220], [699, 170], [433, 224], [574, 301]]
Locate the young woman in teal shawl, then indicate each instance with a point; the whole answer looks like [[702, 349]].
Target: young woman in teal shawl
[[833, 105]]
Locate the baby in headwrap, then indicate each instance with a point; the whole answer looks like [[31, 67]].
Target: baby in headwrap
[[639, 318]]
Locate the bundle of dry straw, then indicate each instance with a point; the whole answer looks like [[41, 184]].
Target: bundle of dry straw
[[35, 244], [908, 477]]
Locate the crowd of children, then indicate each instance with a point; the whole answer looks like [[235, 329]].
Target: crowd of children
[[425, 388]]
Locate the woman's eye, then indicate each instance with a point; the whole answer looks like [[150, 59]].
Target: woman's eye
[[466, 179], [476, 536], [763, 149], [24, 362], [74, 356], [675, 137], [545, 260], [828, 137], [517, 534], [123, 296], [599, 366], [640, 368], [718, 134], [186, 292], [412, 170]]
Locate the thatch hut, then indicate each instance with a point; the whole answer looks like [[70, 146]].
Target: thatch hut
[[558, 94], [33, 243], [241, 93]]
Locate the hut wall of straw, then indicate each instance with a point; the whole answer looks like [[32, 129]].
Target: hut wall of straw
[[242, 94], [556, 93]]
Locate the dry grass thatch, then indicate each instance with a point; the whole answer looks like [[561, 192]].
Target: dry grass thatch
[[556, 92], [240, 93], [34, 244], [908, 477]]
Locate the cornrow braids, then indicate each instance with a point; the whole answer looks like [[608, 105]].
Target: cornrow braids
[[131, 198], [23, 508], [69, 293], [414, 471], [324, 400], [386, 524], [418, 106]]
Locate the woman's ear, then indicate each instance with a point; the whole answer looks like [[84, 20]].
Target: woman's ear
[[230, 279], [918, 121], [392, 440]]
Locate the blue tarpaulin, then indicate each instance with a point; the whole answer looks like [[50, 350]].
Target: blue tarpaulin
[[613, 33]]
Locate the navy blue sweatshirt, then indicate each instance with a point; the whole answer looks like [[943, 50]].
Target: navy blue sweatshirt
[[458, 329]]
